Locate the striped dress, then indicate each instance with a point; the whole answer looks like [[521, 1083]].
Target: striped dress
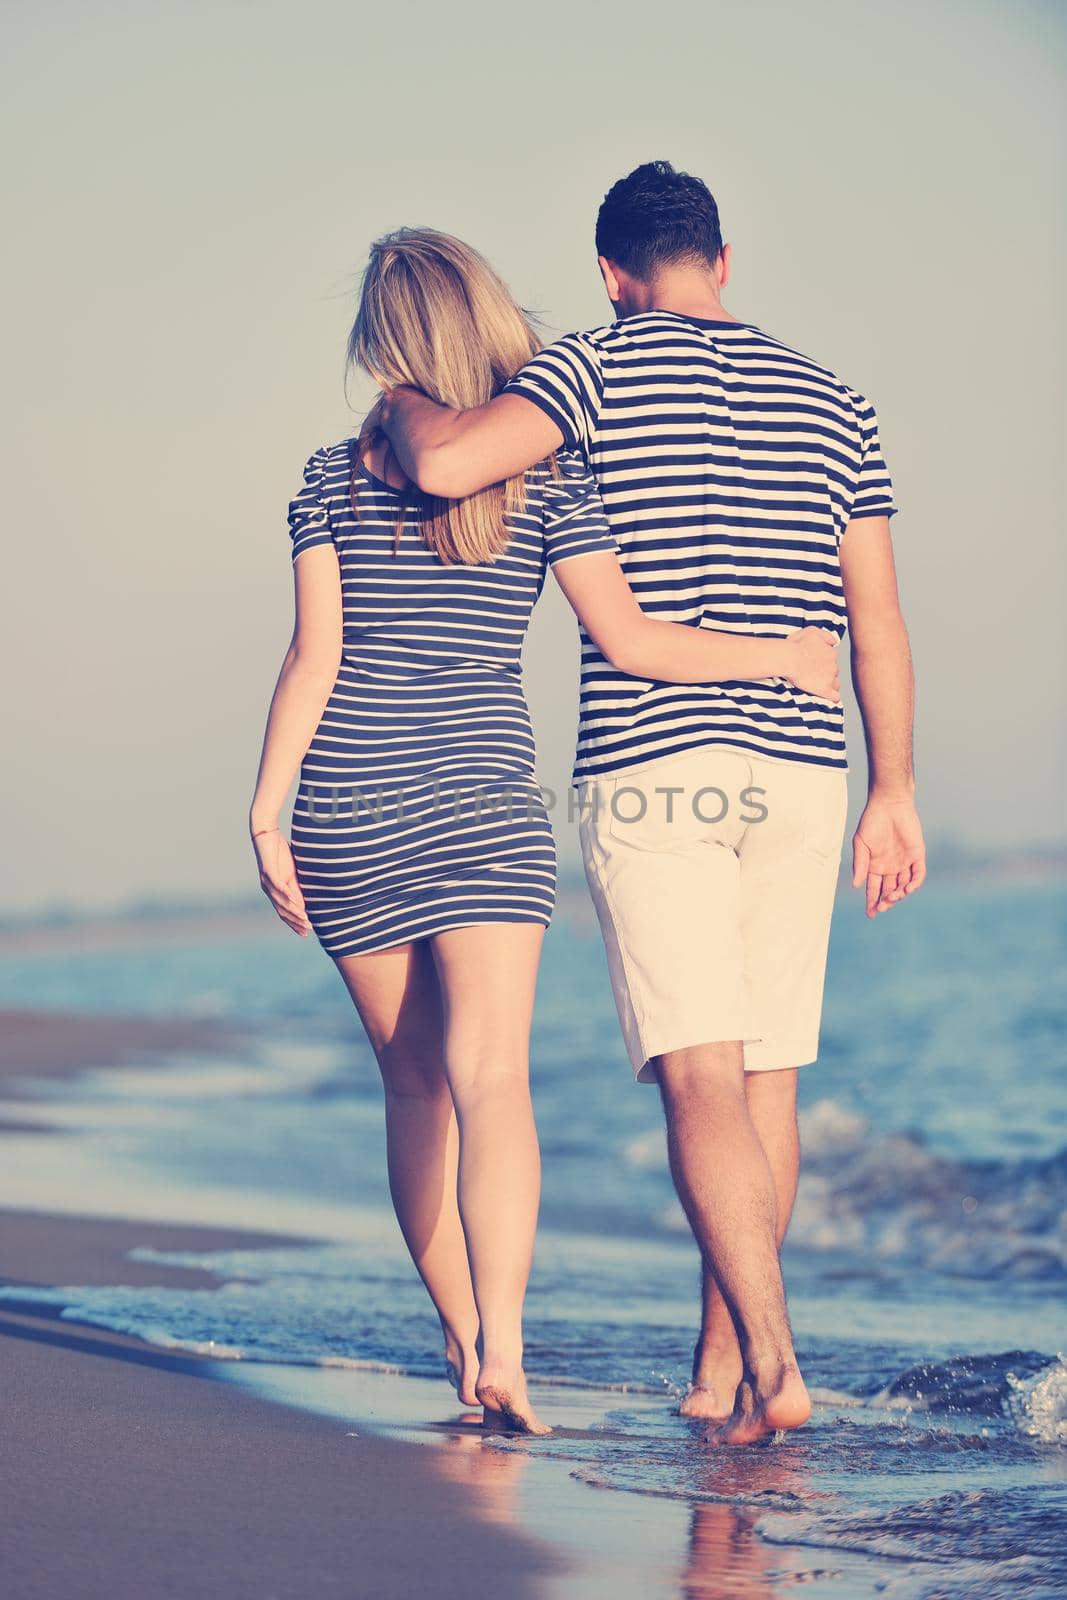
[[418, 810], [729, 466]]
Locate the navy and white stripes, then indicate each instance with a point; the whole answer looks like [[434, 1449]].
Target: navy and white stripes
[[729, 466], [418, 810]]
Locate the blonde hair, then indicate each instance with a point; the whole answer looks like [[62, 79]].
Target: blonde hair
[[433, 314]]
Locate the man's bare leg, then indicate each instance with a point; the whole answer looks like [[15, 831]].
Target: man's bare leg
[[726, 1187], [717, 1366]]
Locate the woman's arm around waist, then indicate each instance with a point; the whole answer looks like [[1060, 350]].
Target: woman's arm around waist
[[673, 652]]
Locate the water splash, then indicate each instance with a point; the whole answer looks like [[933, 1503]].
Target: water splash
[[1038, 1404]]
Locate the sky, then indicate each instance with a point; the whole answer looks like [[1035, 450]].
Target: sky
[[191, 190]]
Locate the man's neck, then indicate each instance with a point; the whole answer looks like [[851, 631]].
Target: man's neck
[[703, 310], [688, 292]]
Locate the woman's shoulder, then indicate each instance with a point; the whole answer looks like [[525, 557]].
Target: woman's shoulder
[[325, 453], [339, 454], [329, 467]]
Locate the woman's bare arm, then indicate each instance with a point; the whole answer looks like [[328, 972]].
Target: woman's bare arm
[[307, 677], [671, 652]]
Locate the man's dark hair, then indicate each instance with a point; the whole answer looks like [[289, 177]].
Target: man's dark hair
[[655, 215]]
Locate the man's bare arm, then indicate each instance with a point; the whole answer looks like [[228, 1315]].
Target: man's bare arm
[[888, 853], [456, 453]]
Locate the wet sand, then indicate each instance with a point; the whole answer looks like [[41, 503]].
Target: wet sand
[[38, 1044]]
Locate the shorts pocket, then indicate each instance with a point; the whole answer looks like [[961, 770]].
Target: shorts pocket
[[824, 821], [694, 797]]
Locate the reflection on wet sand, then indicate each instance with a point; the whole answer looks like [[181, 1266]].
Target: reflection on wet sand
[[726, 1557], [466, 1457], [715, 1553]]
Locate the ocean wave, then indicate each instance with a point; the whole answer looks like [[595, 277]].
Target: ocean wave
[[890, 1198], [968, 1385], [1011, 1536], [1023, 1386]]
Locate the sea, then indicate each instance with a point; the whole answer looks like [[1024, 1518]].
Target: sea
[[926, 1264]]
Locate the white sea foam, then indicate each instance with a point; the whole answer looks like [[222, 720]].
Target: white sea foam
[[1038, 1405], [834, 1397], [828, 1126]]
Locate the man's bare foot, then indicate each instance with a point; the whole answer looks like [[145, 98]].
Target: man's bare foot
[[705, 1403], [462, 1368], [763, 1407], [502, 1392], [716, 1374]]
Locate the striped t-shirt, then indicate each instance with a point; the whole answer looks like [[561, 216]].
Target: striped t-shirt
[[729, 466]]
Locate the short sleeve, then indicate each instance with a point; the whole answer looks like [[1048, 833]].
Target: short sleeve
[[309, 519], [874, 489], [573, 517], [565, 382]]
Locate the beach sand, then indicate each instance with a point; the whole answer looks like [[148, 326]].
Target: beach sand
[[129, 1471], [38, 1044]]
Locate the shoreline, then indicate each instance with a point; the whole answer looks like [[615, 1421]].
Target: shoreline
[[130, 1476], [142, 1472], [145, 1469], [146, 1473]]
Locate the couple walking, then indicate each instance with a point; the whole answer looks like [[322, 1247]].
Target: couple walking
[[714, 506]]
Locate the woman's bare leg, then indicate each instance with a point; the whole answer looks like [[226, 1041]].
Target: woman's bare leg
[[398, 999], [488, 975]]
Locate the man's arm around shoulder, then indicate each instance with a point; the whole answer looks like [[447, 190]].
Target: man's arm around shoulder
[[455, 453]]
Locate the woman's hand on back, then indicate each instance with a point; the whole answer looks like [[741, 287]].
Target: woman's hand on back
[[811, 663], [278, 880]]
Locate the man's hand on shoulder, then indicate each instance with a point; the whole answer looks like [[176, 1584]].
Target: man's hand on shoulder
[[888, 851], [405, 402]]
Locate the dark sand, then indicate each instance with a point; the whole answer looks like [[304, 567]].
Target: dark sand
[[36, 1044], [131, 1472]]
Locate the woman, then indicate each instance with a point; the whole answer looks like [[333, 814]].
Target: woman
[[421, 853]]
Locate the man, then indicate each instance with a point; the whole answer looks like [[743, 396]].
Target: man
[[746, 489]]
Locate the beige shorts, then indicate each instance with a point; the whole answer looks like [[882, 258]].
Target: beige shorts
[[713, 874]]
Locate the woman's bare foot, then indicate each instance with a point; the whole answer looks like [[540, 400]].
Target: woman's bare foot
[[502, 1392], [462, 1368], [766, 1405]]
